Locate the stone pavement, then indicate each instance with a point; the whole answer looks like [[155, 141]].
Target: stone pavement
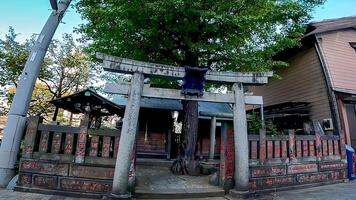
[[160, 178], [11, 195], [342, 191], [158, 182]]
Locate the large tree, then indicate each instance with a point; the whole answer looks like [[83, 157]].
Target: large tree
[[236, 35]]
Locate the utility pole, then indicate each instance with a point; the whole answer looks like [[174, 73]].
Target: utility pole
[[17, 115]]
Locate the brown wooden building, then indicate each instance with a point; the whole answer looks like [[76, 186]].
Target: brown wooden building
[[321, 73], [158, 136]]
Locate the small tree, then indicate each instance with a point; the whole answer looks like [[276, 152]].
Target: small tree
[[69, 66], [39, 104], [255, 123], [13, 56]]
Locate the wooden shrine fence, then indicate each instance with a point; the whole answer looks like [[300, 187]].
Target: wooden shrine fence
[[49, 152]]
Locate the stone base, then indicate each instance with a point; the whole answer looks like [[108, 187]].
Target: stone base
[[112, 196], [5, 176], [241, 194]]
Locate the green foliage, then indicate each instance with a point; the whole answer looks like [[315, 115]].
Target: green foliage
[[69, 66], [65, 70], [39, 104], [237, 35], [254, 124], [13, 56], [272, 128]]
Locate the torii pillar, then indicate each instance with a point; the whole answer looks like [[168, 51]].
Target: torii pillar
[[127, 139], [242, 172]]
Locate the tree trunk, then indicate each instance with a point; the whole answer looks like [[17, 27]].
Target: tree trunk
[[54, 118], [59, 94], [186, 164], [71, 119], [190, 128]]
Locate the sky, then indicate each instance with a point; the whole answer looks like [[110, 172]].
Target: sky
[[29, 16]]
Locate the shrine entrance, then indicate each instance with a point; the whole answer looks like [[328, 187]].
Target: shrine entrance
[[136, 90]]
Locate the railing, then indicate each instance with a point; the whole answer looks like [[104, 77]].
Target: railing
[[70, 144], [294, 148]]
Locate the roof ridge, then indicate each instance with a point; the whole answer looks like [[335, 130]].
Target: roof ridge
[[333, 19]]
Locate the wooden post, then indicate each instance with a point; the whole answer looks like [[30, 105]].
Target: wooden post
[[94, 145], [44, 142], [68, 144], [226, 156], [82, 138], [262, 144], [291, 145], [127, 138], [342, 145], [212, 138], [318, 145], [116, 146], [56, 142], [30, 136], [242, 173], [105, 151], [169, 144]]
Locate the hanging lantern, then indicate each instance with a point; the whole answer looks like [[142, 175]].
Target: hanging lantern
[[193, 81]]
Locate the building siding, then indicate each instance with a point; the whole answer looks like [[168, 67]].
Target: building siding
[[340, 58], [302, 81]]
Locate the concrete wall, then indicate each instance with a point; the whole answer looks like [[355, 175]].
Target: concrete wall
[[302, 81]]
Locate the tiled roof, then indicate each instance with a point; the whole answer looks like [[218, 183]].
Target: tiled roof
[[331, 25], [174, 105]]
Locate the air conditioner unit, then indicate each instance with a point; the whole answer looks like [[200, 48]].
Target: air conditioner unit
[[328, 124]]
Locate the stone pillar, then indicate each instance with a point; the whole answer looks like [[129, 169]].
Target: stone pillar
[[241, 141], [212, 138], [127, 139]]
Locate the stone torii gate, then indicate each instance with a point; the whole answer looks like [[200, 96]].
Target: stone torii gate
[[136, 90]]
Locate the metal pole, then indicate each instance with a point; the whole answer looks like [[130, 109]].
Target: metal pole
[[17, 115]]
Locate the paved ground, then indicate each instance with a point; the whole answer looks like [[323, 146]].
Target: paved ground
[[11, 195], [157, 178], [343, 191]]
